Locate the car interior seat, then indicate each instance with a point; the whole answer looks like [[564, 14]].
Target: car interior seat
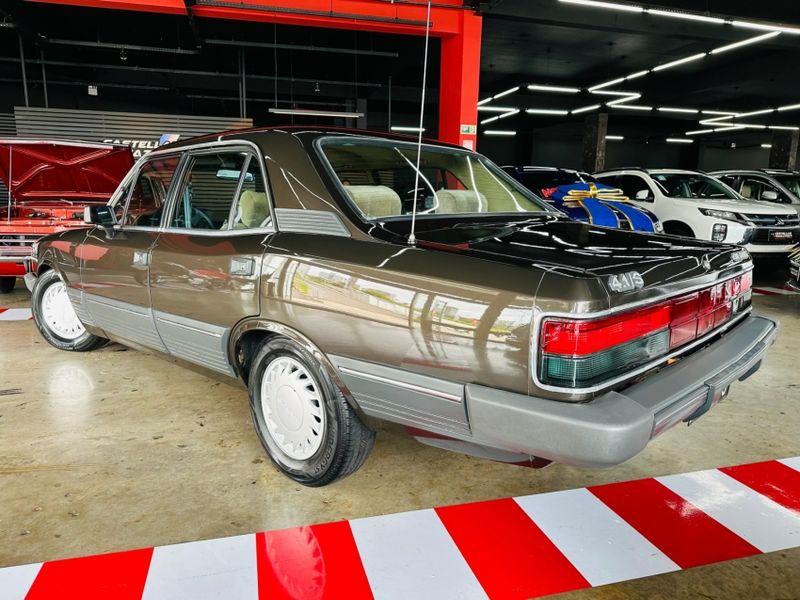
[[253, 210], [460, 201], [375, 200], [747, 190]]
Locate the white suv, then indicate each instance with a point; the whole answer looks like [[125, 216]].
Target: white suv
[[693, 204]]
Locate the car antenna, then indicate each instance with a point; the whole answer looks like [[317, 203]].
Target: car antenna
[[412, 239]]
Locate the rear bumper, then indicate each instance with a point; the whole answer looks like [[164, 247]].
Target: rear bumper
[[618, 425]]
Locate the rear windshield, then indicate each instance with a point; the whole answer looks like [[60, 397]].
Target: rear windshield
[[378, 177], [693, 185]]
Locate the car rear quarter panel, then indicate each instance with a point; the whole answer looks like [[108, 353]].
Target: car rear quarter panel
[[435, 313]]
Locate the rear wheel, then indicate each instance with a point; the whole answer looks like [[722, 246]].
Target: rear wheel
[[55, 317], [302, 419], [7, 284]]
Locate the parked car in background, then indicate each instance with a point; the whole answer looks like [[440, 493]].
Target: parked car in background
[[769, 185], [582, 198], [284, 258], [48, 183], [694, 204]]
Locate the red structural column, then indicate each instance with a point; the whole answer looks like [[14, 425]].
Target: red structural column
[[460, 74]]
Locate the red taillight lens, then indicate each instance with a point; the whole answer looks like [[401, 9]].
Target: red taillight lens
[[579, 338], [580, 353]]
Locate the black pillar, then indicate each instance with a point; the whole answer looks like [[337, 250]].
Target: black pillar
[[784, 150], [595, 127]]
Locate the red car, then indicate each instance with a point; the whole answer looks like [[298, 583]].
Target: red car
[[47, 185]]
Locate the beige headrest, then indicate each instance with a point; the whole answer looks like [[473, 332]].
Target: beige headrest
[[460, 201], [747, 191], [253, 210], [375, 200]]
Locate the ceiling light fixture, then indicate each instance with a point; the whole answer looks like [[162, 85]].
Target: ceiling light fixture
[[407, 129], [307, 112], [719, 112], [734, 128], [506, 93], [699, 131], [765, 27], [680, 61], [747, 42], [692, 111], [766, 111], [615, 138], [609, 5], [506, 132], [766, 145], [687, 16], [633, 106], [789, 107], [784, 127], [496, 108], [637, 75], [606, 84], [534, 87], [679, 141], [485, 101], [578, 111], [503, 116], [545, 111]]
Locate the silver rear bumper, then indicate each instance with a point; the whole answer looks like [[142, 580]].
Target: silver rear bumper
[[618, 425]]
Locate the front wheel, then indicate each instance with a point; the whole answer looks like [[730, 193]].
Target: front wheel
[[303, 421], [55, 317], [7, 284]]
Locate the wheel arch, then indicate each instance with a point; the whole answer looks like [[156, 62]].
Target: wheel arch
[[679, 224]]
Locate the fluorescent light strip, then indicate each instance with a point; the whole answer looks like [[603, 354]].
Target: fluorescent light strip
[[683, 15], [607, 84], [633, 107], [553, 88], [506, 93], [789, 107], [719, 112], [613, 93], [784, 127], [692, 111], [496, 108], [734, 128], [578, 111], [506, 132], [679, 141], [508, 114], [680, 61], [699, 131], [751, 126], [765, 27], [637, 75], [316, 113], [615, 138], [716, 120], [485, 101], [545, 111], [766, 111], [621, 101], [609, 5], [408, 129], [747, 42], [766, 145]]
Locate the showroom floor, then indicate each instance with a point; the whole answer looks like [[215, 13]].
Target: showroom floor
[[118, 449]]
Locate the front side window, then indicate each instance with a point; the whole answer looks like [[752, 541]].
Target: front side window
[[631, 185], [220, 191], [149, 194], [379, 178], [693, 186], [791, 183]]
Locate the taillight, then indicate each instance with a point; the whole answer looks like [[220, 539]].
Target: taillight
[[582, 353]]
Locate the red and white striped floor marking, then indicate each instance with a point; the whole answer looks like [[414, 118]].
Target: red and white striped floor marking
[[15, 314], [512, 548]]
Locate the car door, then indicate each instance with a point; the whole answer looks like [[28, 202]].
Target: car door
[[114, 293], [205, 266]]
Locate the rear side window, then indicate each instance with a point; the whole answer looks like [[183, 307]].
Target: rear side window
[[220, 191], [149, 193]]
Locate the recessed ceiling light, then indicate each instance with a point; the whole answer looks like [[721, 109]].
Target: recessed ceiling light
[[680, 61], [553, 88]]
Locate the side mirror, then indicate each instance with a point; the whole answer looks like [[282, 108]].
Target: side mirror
[[644, 196], [98, 215], [769, 196]]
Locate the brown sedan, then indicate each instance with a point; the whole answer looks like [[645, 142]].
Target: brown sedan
[[283, 257]]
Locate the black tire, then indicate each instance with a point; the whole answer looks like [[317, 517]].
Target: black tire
[[7, 284], [85, 342], [346, 440], [678, 229]]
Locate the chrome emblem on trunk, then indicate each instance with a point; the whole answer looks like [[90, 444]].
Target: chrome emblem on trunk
[[626, 282]]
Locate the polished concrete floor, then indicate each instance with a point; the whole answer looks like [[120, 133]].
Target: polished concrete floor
[[117, 449]]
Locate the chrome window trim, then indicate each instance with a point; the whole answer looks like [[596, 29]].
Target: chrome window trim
[[539, 317]]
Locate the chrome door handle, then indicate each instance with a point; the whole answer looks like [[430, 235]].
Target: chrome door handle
[[242, 266], [141, 258]]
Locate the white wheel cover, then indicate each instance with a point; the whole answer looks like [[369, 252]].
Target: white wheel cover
[[292, 407], [58, 314]]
